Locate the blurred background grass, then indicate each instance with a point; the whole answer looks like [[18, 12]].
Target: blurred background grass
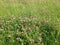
[[42, 9]]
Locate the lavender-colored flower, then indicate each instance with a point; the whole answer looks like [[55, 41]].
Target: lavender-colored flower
[[32, 41], [47, 20], [17, 31], [27, 19], [34, 18], [18, 39], [40, 34], [40, 39]]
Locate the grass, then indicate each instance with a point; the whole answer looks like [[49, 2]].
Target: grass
[[29, 22]]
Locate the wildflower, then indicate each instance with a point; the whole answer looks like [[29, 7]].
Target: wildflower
[[27, 19], [21, 20], [27, 28], [7, 21], [13, 18], [34, 18], [35, 44], [40, 39], [1, 29], [18, 39], [32, 41], [47, 20], [17, 31], [9, 36], [34, 26]]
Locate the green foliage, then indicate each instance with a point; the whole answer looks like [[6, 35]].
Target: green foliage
[[29, 22]]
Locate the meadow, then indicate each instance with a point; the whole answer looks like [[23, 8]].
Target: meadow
[[29, 22]]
